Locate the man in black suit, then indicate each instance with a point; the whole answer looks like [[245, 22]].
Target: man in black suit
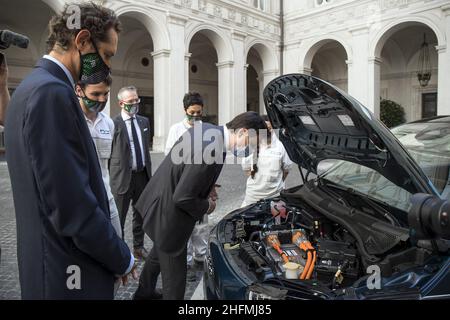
[[66, 245], [181, 192], [130, 166]]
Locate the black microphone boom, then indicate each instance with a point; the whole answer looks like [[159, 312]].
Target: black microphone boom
[[8, 38]]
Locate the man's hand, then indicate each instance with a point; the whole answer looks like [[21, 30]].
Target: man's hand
[[133, 273], [213, 194], [3, 71], [212, 206], [4, 93]]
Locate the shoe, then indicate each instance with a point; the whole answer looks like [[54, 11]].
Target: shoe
[[156, 295], [191, 275], [140, 253]]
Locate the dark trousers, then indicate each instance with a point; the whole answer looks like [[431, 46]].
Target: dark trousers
[[173, 272], [137, 184]]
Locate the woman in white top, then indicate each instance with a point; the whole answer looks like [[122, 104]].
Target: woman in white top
[[266, 179]]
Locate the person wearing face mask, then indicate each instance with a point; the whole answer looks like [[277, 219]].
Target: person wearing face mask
[[193, 108], [93, 99], [66, 245], [266, 174], [181, 192], [130, 166]]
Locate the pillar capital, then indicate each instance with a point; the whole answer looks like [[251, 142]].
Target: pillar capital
[[441, 49], [375, 60], [306, 70], [164, 53], [225, 64], [269, 73]]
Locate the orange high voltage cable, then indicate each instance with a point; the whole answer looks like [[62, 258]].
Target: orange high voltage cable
[[275, 243], [302, 242]]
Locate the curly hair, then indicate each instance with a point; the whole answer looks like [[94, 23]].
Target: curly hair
[[95, 18]]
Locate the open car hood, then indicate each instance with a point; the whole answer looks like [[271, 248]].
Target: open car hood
[[318, 121]]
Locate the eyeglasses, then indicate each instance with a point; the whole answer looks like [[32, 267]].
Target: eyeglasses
[[136, 101]]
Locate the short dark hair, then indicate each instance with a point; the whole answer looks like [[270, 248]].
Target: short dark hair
[[247, 120], [95, 18], [251, 120], [191, 99], [107, 81], [265, 118]]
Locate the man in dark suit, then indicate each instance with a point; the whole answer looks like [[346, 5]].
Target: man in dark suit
[[180, 193], [130, 166], [66, 245]]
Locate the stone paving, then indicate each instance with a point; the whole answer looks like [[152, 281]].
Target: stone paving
[[231, 195]]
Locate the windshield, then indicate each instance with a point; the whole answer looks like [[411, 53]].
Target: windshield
[[429, 145], [366, 181]]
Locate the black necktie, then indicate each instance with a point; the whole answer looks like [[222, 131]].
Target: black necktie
[[137, 147]]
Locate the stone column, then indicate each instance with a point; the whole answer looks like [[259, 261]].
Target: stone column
[[161, 97], [358, 67], [239, 95], [226, 109], [245, 85], [169, 83], [444, 68], [267, 76], [187, 71], [374, 80]]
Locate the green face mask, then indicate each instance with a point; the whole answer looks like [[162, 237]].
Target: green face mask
[[131, 108], [94, 106], [193, 119], [92, 67]]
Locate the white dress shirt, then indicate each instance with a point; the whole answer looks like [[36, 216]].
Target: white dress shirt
[[63, 67], [102, 131], [127, 120]]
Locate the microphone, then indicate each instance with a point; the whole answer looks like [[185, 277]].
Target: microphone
[[8, 38]]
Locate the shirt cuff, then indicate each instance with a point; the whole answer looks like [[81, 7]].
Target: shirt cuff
[[130, 266]]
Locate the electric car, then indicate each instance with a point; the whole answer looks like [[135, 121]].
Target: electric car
[[343, 232]]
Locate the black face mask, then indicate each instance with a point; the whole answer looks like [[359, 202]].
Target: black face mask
[[93, 69]]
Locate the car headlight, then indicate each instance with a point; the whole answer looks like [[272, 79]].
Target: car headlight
[[265, 292]]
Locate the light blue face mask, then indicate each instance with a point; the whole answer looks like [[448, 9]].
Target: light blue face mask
[[241, 152]]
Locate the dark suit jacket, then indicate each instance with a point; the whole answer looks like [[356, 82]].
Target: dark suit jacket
[[60, 200], [120, 163], [176, 196]]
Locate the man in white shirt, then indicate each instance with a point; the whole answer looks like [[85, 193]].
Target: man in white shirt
[[266, 179], [198, 242], [93, 99]]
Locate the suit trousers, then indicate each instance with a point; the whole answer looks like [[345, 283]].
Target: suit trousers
[[137, 184], [173, 272]]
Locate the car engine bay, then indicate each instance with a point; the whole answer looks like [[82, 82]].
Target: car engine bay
[[318, 235]]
